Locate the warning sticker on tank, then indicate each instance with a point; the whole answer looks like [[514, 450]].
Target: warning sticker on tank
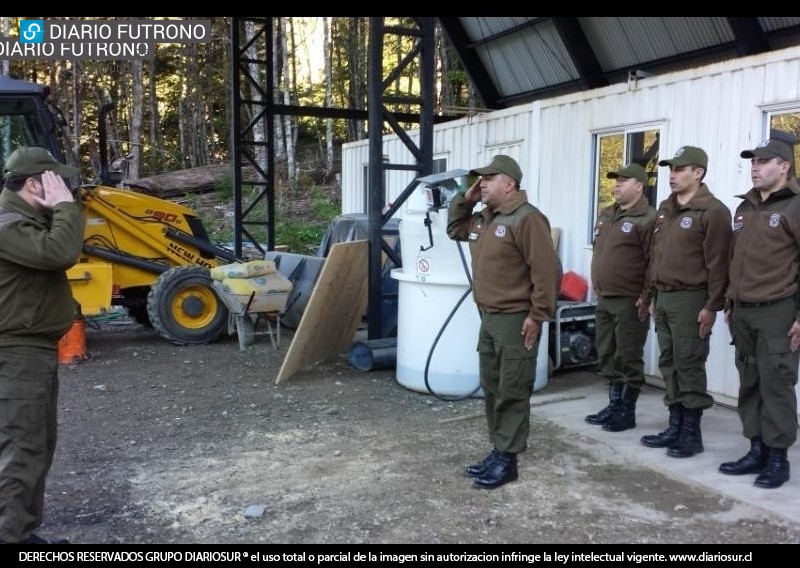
[[423, 268]]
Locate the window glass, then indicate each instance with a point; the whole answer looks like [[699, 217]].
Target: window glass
[[613, 150], [19, 126], [787, 121]]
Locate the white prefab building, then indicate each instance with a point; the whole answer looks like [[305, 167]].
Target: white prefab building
[[566, 144]]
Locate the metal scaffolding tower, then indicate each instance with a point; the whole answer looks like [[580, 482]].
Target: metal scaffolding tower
[[253, 141]]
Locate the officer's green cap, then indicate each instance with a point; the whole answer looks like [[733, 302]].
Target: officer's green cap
[[771, 149], [630, 171], [31, 160], [687, 155], [500, 164]]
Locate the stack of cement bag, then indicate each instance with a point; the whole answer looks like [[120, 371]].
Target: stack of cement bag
[[254, 286]]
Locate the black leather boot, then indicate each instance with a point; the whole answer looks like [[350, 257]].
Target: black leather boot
[[478, 469], [670, 435], [752, 462], [625, 416], [690, 440], [776, 472], [501, 470], [614, 398]]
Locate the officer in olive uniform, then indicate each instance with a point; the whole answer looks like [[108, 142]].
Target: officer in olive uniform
[[762, 312], [516, 275], [619, 265], [41, 235], [689, 273]]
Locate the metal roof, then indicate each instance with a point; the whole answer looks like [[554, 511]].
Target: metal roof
[[513, 60]]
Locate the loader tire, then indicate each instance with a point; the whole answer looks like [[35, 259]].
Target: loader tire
[[184, 308]]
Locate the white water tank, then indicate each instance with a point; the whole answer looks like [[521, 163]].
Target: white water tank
[[437, 319]]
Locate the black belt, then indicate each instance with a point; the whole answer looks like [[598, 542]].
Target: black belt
[[758, 304]]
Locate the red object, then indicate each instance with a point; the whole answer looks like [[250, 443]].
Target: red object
[[573, 287]]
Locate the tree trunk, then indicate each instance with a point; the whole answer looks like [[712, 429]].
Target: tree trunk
[[156, 140], [197, 130], [353, 56], [288, 138], [277, 74], [293, 98], [134, 157], [77, 116], [326, 48], [182, 123]]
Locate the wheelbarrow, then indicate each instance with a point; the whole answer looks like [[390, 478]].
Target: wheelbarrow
[[255, 306]]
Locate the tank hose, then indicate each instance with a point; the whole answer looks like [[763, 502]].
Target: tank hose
[[441, 331]]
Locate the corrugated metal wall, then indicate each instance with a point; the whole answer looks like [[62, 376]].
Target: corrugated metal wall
[[718, 107]]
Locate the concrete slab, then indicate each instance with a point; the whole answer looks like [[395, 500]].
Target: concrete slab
[[576, 394]]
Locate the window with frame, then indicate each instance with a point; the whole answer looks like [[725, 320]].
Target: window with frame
[[787, 120], [615, 149]]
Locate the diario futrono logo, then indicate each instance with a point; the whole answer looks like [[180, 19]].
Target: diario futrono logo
[[31, 31]]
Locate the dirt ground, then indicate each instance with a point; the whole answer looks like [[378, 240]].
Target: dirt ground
[[194, 445]]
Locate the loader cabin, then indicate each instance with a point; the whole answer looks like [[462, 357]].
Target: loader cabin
[[26, 119]]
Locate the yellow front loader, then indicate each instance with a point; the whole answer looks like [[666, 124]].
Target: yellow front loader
[[147, 254]]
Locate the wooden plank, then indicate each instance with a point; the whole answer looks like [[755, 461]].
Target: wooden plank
[[334, 309]]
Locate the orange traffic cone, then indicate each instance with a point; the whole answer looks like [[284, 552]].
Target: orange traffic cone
[[72, 346]]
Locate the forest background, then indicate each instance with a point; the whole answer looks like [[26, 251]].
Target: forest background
[[174, 111]]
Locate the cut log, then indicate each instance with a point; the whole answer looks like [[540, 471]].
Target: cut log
[[201, 179]]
